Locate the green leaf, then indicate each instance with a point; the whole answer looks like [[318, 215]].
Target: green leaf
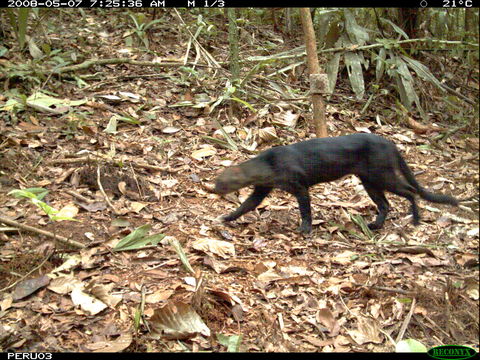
[[137, 239], [35, 195], [243, 102], [45, 207], [181, 254], [112, 126], [355, 74], [129, 120], [405, 84], [360, 221], [422, 71], [12, 105], [410, 345], [39, 192], [231, 342], [395, 27], [332, 72], [153, 22], [30, 193], [380, 68], [137, 317], [22, 25], [45, 101], [56, 218], [357, 34]]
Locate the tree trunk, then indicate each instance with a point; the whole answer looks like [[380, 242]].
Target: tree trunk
[[470, 27], [233, 55], [408, 21], [318, 81]]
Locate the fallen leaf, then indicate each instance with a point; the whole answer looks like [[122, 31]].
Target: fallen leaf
[[71, 263], [178, 321], [325, 317], [117, 345], [367, 331], [345, 257], [221, 248], [158, 296], [68, 211], [204, 152], [64, 284], [28, 287], [87, 303]]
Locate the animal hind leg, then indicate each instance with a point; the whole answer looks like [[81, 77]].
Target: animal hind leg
[[399, 187], [380, 200]]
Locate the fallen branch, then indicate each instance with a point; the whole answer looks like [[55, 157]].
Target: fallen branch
[[29, 228], [99, 183], [89, 63], [88, 159], [406, 322]]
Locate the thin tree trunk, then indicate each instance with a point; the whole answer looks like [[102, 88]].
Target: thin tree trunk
[[317, 87]]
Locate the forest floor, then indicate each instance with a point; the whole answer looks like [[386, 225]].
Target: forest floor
[[338, 289]]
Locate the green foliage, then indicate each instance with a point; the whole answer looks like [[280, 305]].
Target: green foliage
[[410, 345], [141, 26], [232, 342], [36, 195], [18, 21], [360, 221], [390, 58], [138, 239], [181, 254]]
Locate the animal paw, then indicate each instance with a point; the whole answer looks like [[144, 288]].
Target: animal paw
[[374, 226], [305, 228]]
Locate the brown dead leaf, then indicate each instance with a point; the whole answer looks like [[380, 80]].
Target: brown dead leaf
[[221, 248], [467, 260], [269, 276], [178, 321], [472, 288], [221, 267], [286, 119], [6, 303], [367, 331], [69, 210], [28, 287], [64, 284], [170, 130], [416, 126], [89, 261], [344, 258], [415, 250], [87, 303], [117, 345], [206, 151], [325, 317], [159, 296], [136, 206], [102, 292], [267, 134]]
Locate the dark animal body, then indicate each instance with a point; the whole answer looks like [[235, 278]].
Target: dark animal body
[[294, 168]]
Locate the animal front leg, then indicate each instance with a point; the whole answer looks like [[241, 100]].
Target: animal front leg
[[259, 193], [303, 199]]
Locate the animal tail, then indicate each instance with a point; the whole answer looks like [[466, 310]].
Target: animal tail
[[427, 195]]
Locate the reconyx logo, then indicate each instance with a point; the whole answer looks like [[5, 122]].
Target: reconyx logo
[[448, 352]]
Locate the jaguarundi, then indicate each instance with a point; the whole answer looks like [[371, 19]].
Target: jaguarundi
[[296, 167]]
